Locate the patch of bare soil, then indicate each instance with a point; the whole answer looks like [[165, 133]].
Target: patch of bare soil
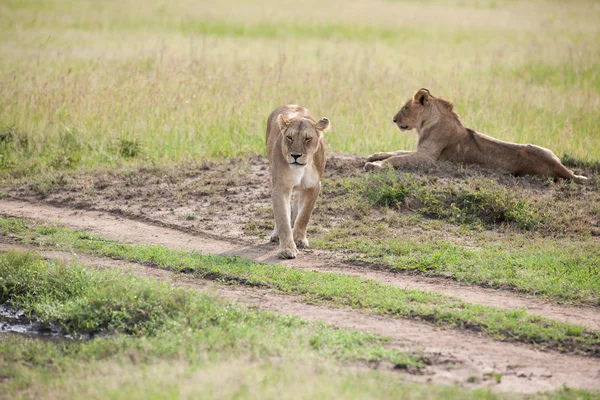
[[232, 199], [135, 231], [461, 358]]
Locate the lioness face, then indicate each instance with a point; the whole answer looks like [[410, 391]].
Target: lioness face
[[300, 139], [408, 116]]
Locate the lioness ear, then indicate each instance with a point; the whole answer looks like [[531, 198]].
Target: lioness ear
[[283, 121], [322, 125], [422, 96]]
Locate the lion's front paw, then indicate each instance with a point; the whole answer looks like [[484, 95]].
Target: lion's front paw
[[373, 166], [378, 157], [302, 243], [287, 253]]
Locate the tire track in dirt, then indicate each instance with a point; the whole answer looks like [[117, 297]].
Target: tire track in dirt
[[458, 357], [135, 232]]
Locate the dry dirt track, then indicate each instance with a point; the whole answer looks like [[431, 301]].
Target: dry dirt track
[[523, 368]]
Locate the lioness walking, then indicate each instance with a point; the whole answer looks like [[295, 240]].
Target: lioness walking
[[443, 137], [296, 154]]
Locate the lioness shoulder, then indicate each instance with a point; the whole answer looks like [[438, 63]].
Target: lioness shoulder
[[296, 153]]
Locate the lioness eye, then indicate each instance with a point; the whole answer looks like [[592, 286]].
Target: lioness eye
[[405, 108], [307, 140], [289, 138]]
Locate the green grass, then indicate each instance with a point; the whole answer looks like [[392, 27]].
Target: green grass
[[168, 84], [123, 378], [329, 288], [83, 301], [561, 270], [480, 202], [147, 321], [165, 342], [527, 235]]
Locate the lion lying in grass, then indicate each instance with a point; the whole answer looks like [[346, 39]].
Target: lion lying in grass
[[443, 137]]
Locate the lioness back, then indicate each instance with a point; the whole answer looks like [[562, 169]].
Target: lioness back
[[296, 154]]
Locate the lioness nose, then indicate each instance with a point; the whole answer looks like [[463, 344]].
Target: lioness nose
[[296, 155], [394, 120]]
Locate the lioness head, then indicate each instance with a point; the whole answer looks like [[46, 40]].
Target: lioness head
[[301, 138], [414, 110]]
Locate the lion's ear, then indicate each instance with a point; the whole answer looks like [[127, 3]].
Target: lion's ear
[[322, 125], [283, 121], [422, 96]]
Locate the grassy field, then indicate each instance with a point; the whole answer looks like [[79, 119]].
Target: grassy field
[[108, 83], [327, 288], [155, 110], [139, 321], [153, 340]]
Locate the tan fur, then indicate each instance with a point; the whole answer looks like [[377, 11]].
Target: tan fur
[[292, 130], [443, 137]]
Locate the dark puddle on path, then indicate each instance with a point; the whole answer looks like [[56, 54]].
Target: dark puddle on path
[[13, 321]]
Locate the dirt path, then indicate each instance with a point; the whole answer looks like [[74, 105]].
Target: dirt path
[[458, 357], [134, 231]]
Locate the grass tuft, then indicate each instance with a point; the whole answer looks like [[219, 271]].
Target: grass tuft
[[129, 148], [479, 201]]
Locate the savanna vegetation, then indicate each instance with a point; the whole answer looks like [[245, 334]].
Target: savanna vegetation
[[109, 83], [157, 110], [329, 288]]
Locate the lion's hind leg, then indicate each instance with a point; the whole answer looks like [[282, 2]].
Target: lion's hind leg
[[548, 164]]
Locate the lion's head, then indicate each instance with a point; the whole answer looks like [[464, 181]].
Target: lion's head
[[421, 107], [301, 138]]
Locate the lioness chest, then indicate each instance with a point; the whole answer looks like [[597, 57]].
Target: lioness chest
[[306, 177]]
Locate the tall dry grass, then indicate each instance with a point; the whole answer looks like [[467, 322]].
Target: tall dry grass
[[105, 83]]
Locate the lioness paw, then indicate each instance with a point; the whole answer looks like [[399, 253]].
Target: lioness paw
[[286, 253], [373, 166], [378, 157], [302, 243], [274, 237]]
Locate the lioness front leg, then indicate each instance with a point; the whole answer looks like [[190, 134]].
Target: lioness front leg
[[386, 155], [400, 161], [275, 234], [281, 210], [307, 200]]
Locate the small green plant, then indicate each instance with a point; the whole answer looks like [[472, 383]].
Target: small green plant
[[497, 377], [7, 134], [129, 148]]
